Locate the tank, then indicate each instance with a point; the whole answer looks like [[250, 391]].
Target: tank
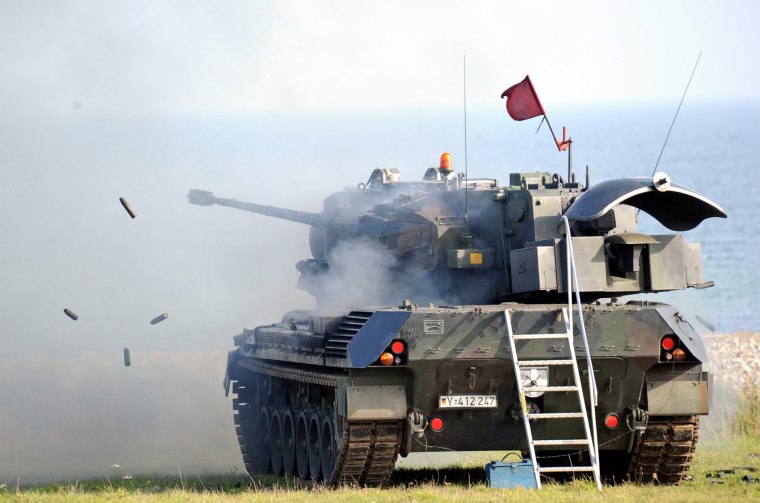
[[420, 287]]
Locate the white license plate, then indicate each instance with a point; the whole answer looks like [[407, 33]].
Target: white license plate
[[467, 402]]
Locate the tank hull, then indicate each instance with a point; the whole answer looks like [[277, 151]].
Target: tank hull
[[322, 374]]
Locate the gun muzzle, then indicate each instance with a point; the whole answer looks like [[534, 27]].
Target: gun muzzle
[[200, 197]]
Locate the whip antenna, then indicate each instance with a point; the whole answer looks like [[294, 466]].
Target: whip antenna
[[676, 116], [466, 202]]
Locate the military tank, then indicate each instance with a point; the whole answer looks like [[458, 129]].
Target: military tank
[[425, 293]]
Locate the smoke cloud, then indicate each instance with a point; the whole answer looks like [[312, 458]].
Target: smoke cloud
[[72, 418], [360, 274]]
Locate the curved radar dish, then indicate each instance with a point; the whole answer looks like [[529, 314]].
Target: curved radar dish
[[674, 206]]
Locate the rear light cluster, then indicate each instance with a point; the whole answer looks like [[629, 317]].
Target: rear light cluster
[[395, 354], [670, 350]]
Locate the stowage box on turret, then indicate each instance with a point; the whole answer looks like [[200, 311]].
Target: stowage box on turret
[[338, 393]]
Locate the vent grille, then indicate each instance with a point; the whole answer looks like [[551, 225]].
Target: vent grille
[[337, 343]]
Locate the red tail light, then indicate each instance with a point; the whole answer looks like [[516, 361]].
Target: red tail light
[[398, 347], [612, 421], [436, 423], [668, 343]]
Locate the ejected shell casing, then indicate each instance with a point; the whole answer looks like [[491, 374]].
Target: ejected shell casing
[[127, 360], [159, 318], [128, 207], [71, 314]]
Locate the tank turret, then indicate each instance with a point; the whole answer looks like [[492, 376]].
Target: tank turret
[[449, 240]]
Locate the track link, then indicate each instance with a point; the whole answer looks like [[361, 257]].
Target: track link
[[367, 450], [664, 450], [247, 406]]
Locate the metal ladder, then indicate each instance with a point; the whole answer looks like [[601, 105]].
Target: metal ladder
[[590, 441]]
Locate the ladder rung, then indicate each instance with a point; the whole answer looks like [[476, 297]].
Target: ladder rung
[[574, 441], [554, 415], [556, 469], [523, 337], [541, 389], [540, 363]]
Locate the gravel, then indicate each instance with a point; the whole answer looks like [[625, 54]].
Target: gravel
[[734, 359]]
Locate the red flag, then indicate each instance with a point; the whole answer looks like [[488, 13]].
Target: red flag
[[522, 101]]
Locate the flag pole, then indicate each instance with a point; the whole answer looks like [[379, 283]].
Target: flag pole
[[541, 107], [559, 144], [569, 160], [568, 142], [565, 144]]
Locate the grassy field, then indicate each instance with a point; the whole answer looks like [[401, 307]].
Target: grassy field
[[726, 467], [722, 470]]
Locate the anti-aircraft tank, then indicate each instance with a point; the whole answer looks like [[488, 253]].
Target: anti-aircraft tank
[[464, 277]]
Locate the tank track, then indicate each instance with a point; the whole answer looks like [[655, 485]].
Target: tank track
[[367, 450], [664, 450]]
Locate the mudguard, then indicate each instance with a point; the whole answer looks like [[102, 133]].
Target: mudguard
[[374, 337]]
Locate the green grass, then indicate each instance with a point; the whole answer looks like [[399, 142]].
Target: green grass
[[708, 482], [719, 472], [748, 418]]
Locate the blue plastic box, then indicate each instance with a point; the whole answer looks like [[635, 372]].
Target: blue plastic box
[[510, 475]]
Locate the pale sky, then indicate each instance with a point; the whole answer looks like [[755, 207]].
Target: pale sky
[[240, 57]]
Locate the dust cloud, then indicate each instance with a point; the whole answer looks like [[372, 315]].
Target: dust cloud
[[72, 418]]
